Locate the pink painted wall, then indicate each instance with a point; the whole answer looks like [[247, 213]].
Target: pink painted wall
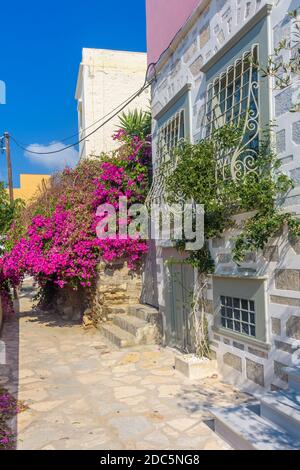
[[164, 19]]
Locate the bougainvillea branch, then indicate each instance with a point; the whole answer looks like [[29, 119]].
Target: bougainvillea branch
[[56, 240]]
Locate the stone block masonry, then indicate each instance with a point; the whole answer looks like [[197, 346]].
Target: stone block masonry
[[116, 286], [115, 289], [198, 56]]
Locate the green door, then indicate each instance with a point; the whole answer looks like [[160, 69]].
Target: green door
[[181, 293]]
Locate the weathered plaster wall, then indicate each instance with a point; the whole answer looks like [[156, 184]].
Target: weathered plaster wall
[[280, 263], [106, 79]]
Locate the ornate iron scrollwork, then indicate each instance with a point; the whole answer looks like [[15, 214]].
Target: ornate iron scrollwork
[[233, 98]]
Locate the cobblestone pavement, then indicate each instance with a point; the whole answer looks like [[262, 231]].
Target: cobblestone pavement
[[82, 393]]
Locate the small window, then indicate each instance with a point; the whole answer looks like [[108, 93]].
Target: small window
[[169, 136], [240, 307], [233, 98], [238, 315]]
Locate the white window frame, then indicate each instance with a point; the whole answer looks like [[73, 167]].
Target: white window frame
[[173, 124], [169, 136]]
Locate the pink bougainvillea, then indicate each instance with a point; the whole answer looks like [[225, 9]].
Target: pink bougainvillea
[[9, 407], [60, 242]]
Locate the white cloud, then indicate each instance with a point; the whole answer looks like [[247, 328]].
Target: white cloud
[[56, 161]]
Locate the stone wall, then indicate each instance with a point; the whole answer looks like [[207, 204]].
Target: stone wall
[[69, 303], [116, 286]]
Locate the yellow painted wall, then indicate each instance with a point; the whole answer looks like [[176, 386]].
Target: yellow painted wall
[[29, 185]]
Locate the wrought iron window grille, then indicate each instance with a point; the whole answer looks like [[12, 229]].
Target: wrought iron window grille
[[233, 99]]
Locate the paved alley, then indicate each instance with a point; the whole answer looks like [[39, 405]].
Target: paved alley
[[82, 393]]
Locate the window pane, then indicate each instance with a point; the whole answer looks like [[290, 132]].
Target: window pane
[[237, 314], [245, 317], [245, 328], [169, 136], [252, 330], [229, 312], [235, 319]]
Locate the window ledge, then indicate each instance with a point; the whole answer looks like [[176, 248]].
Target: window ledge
[[243, 339], [240, 276]]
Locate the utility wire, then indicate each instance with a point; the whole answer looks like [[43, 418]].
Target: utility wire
[[86, 136], [116, 111]]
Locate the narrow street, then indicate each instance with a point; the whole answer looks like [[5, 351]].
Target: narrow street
[[84, 394]]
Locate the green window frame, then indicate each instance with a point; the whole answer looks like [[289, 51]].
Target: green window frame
[[251, 312]]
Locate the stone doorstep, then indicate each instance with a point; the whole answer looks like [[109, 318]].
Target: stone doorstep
[[293, 377], [195, 368], [246, 430], [131, 325], [144, 312], [283, 409]]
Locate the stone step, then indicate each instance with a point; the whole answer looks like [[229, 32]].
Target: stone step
[[245, 430], [144, 332], [293, 377], [116, 310], [283, 409], [115, 334], [278, 385], [144, 312]]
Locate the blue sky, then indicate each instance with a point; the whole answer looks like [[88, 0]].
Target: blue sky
[[40, 45]]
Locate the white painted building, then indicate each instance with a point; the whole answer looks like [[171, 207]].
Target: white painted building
[[106, 79], [211, 46]]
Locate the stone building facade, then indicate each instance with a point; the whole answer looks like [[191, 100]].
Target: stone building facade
[[264, 292], [106, 79]]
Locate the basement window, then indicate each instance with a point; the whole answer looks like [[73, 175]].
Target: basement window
[[240, 307], [238, 315]]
